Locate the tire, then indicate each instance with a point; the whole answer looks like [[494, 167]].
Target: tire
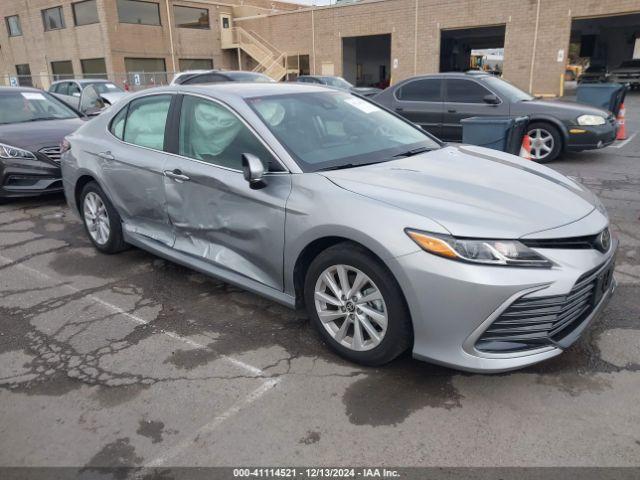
[[550, 136], [113, 242], [392, 340]]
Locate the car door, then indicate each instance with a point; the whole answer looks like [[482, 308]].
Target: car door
[[464, 98], [132, 166], [420, 101], [216, 216]]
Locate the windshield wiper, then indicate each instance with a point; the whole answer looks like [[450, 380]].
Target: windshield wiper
[[346, 165], [415, 151]]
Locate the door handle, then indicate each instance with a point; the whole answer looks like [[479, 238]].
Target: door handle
[[451, 110], [177, 175], [399, 109], [106, 156]]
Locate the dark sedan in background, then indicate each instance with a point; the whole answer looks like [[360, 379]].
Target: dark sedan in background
[[33, 123], [439, 102]]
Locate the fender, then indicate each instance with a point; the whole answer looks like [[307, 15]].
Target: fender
[[562, 128]]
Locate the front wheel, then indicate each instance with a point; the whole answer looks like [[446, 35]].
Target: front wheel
[[357, 306], [546, 142], [101, 220]]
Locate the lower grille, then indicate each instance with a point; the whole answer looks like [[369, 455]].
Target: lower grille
[[542, 321], [51, 152]]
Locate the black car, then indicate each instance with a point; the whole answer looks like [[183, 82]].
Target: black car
[[339, 83], [594, 74], [438, 102], [33, 123], [218, 76]]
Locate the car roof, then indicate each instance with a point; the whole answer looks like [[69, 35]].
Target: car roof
[[249, 89], [83, 80], [19, 89]]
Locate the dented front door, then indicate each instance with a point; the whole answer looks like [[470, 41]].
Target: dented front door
[[216, 216]]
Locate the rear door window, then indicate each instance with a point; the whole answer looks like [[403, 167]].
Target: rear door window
[[425, 90], [146, 121], [465, 91]]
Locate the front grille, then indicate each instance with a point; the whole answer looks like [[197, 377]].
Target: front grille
[[588, 242], [542, 321], [51, 152]]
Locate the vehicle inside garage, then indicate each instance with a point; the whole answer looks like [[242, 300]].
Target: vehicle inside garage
[[366, 60], [605, 41], [456, 45]]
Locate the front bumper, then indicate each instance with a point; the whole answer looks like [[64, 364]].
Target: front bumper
[[453, 303], [27, 178], [583, 137]]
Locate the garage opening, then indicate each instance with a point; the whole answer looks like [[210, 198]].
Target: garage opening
[[366, 60], [601, 44], [468, 48]]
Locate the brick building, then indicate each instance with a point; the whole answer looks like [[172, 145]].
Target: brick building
[[368, 42]]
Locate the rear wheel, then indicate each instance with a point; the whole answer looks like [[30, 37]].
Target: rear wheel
[[101, 220], [357, 306], [546, 142]]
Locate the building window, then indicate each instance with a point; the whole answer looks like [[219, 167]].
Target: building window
[[189, 17], [24, 75], [94, 68], [146, 71], [138, 12], [85, 13], [62, 70], [13, 26], [53, 18], [195, 64]]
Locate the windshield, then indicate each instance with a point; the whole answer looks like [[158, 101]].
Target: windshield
[[337, 82], [331, 129], [506, 90], [106, 87], [250, 77], [31, 106]]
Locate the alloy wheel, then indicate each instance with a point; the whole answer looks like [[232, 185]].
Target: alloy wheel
[[96, 218], [351, 307], [542, 143]]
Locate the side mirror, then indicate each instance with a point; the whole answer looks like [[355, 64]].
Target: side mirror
[[491, 99], [253, 170]]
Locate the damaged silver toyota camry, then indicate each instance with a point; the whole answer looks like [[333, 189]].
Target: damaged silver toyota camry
[[392, 241]]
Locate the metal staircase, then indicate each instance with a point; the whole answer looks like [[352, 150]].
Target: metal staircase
[[270, 61]]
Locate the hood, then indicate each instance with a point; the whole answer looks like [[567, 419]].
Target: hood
[[473, 191], [36, 135], [561, 108], [367, 90], [113, 97]]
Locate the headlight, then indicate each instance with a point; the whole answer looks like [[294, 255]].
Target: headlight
[[489, 252], [7, 151], [591, 120]]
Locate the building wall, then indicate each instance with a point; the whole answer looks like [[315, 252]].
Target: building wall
[[415, 27]]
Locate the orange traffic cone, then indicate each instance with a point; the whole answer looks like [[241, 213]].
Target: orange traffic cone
[[525, 149], [622, 129]]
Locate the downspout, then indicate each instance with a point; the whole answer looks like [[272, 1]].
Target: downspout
[[173, 53], [313, 40], [415, 42], [533, 54]]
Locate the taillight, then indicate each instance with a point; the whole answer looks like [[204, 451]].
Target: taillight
[[65, 146]]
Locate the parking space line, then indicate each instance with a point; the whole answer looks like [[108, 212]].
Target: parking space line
[[213, 424], [624, 142], [134, 318]]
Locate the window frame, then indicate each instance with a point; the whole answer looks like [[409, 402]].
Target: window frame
[[75, 18], [6, 19], [446, 90], [56, 76], [174, 118], [208, 27], [44, 23], [442, 90], [159, 24], [167, 125]]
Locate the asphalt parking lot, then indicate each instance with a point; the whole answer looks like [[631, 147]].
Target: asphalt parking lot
[[133, 360]]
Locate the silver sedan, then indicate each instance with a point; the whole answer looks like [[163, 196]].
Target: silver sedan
[[318, 198]]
